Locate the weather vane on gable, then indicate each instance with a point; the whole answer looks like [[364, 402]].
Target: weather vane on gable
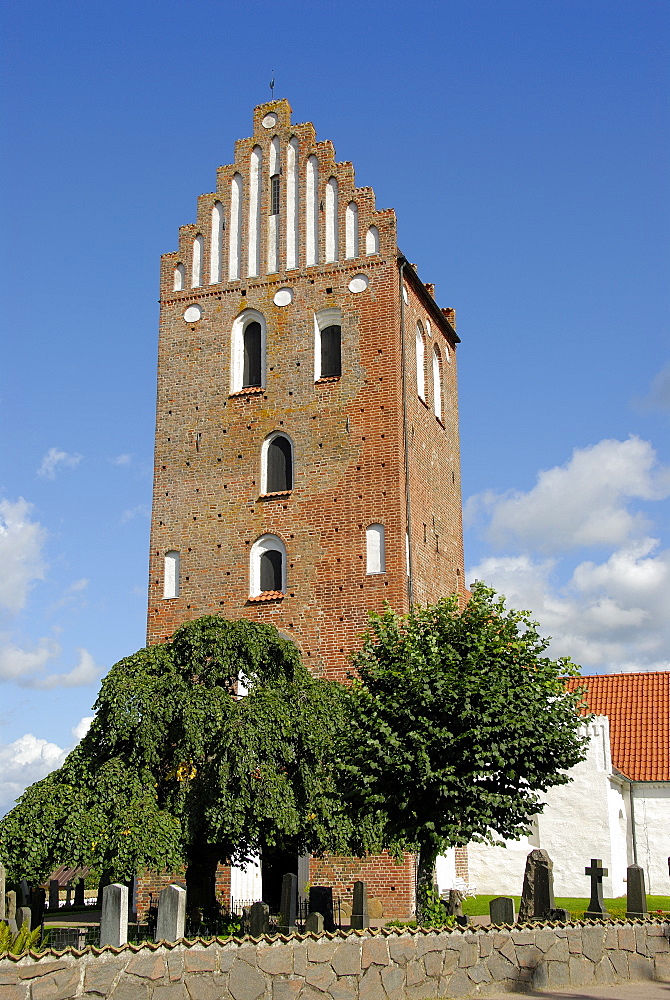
[[272, 86]]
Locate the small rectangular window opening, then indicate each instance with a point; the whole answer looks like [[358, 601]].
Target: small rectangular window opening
[[274, 195]]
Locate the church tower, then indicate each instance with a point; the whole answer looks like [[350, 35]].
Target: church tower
[[307, 451]]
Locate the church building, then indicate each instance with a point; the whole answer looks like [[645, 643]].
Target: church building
[[307, 449]]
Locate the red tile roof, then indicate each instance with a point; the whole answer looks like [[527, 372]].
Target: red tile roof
[[638, 709]]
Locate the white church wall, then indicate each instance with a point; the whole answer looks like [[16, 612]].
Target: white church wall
[[581, 820], [652, 833]]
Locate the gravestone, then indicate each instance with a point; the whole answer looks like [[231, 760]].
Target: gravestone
[[54, 894], [10, 912], [114, 916], [68, 893], [501, 910], [636, 896], [596, 910], [537, 896], [360, 917], [24, 915], [79, 894], [38, 898], [3, 876], [314, 923], [171, 920], [321, 901], [23, 895], [289, 904], [259, 919], [454, 903]]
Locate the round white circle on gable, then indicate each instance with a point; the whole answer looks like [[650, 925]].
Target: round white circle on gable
[[283, 297], [193, 314], [359, 283], [270, 120]]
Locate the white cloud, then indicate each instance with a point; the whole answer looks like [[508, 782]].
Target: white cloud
[[84, 672], [23, 762], [142, 510], [658, 397], [21, 560], [124, 459], [82, 727], [55, 458], [582, 503], [608, 615]]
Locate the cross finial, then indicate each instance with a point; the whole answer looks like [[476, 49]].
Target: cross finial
[[272, 86]]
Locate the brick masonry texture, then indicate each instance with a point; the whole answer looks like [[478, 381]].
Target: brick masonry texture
[[367, 449], [360, 965]]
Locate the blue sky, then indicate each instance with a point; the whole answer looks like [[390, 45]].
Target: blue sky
[[524, 147]]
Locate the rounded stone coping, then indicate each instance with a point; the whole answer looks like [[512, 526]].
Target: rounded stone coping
[[370, 932]]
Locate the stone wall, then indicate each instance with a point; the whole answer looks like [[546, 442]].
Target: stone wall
[[359, 965]]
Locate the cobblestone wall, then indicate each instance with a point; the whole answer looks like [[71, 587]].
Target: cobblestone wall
[[376, 965]]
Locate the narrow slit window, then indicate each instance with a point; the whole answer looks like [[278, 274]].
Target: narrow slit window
[[331, 352], [171, 575], [274, 195], [420, 363], [375, 551]]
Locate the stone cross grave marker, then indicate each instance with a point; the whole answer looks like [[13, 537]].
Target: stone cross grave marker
[[321, 901], [502, 910], [314, 923], [114, 916], [54, 894], [3, 875], [259, 919], [636, 896], [360, 917], [537, 896], [171, 920], [289, 904], [596, 871]]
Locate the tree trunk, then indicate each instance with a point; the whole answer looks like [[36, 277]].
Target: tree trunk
[[425, 879], [201, 880]]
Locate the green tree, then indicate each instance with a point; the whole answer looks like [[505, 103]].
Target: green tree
[[177, 770], [461, 722]]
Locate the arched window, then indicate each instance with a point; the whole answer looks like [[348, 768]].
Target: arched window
[[196, 272], [277, 464], [437, 383], [332, 229], [372, 240], [171, 575], [312, 212], [420, 363], [351, 229], [268, 566], [375, 550], [215, 249], [179, 275], [327, 344], [248, 351]]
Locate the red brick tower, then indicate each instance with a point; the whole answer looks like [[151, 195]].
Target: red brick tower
[[307, 452]]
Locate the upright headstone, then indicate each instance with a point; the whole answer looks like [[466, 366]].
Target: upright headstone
[[454, 903], [54, 894], [10, 913], [289, 904], [537, 896], [502, 910], [68, 893], [3, 876], [360, 917], [636, 896], [38, 898], [23, 895], [596, 910], [314, 923], [114, 916], [321, 901], [79, 894], [259, 919], [171, 920], [24, 915]]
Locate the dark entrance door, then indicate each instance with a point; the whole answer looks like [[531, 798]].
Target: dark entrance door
[[276, 863]]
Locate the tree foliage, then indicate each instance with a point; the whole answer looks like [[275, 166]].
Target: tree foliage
[[177, 770], [462, 722]]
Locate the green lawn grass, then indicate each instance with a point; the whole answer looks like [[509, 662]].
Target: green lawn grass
[[478, 906]]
